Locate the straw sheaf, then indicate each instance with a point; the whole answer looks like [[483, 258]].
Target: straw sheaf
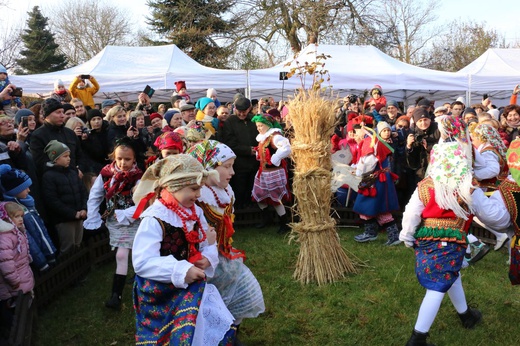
[[321, 258]]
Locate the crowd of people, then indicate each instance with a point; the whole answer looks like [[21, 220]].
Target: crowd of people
[[166, 179]]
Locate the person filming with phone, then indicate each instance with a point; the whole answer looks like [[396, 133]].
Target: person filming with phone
[[8, 93], [84, 87]]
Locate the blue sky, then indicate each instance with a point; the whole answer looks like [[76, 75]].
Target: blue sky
[[501, 15]]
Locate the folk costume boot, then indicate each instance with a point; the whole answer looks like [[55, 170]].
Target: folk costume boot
[[117, 291], [284, 227], [370, 233], [266, 218], [470, 318], [393, 234], [418, 339]]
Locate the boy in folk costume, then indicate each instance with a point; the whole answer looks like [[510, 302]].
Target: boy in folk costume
[[271, 184], [174, 250], [435, 223], [377, 197], [236, 283]]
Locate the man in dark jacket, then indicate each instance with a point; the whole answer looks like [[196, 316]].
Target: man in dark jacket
[[420, 142], [54, 128], [239, 133]]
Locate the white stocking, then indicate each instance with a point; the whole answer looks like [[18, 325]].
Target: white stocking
[[262, 206], [280, 209], [122, 260], [428, 310], [457, 296]]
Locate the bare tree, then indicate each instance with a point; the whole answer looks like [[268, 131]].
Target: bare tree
[[299, 22], [463, 43], [10, 44], [405, 28], [84, 28]]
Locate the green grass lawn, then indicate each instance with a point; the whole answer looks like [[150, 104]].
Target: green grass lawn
[[378, 306]]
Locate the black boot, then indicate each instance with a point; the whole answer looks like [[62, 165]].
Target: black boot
[[418, 339], [117, 291], [284, 227], [393, 234], [266, 216], [470, 318]]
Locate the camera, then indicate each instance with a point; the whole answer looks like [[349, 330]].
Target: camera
[[17, 92], [418, 139], [85, 76], [85, 130], [352, 98]]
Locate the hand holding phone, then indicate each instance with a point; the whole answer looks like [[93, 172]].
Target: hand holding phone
[[148, 90], [25, 122], [85, 76], [133, 122], [17, 92]]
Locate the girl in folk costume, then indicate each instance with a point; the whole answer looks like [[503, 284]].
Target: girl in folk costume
[[377, 197], [490, 169], [174, 250], [168, 143], [239, 288], [271, 184], [115, 184], [435, 223]]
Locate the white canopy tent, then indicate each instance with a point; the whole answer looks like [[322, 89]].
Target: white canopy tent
[[122, 72], [496, 72], [354, 69]]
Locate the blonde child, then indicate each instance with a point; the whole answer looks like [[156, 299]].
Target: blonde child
[[236, 283], [116, 184], [174, 250], [15, 271], [271, 183]]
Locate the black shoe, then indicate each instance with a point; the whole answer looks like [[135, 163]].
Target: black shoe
[[418, 339], [470, 318], [114, 302], [284, 227], [266, 216]]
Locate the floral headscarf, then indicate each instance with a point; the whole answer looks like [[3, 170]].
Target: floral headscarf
[[450, 170], [487, 133], [211, 154]]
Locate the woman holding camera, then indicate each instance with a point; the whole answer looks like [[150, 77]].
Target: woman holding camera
[[95, 142]]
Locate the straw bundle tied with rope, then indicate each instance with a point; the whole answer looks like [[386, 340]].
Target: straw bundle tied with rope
[[321, 258]]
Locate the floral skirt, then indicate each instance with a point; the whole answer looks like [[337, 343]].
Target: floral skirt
[[437, 264], [166, 315]]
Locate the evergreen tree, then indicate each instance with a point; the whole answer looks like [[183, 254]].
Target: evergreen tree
[[40, 53], [194, 26]]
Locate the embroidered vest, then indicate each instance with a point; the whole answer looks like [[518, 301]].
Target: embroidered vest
[[511, 194], [266, 150], [439, 224], [174, 242], [223, 224], [122, 200]]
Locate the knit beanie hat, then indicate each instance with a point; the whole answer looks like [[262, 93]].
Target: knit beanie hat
[[203, 102], [419, 113], [424, 103], [57, 83], [155, 116], [392, 103], [55, 149], [24, 112], [381, 126], [378, 88], [68, 107], [169, 115], [211, 154], [50, 105], [210, 92], [92, 113], [169, 140], [180, 85], [13, 180], [3, 69]]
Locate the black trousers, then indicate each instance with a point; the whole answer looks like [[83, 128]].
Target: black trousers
[[242, 184]]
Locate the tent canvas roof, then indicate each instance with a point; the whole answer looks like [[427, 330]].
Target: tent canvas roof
[[124, 71], [360, 68]]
